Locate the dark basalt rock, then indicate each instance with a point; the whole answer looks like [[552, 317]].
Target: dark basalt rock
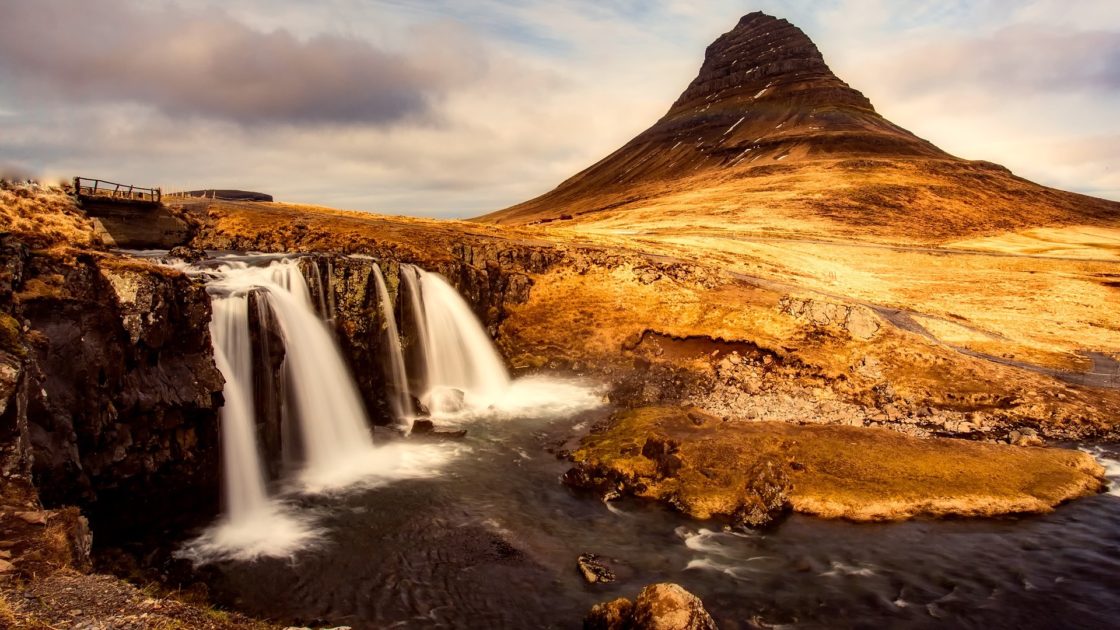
[[425, 427], [121, 397]]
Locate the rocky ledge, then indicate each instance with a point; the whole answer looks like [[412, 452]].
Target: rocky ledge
[[753, 472]]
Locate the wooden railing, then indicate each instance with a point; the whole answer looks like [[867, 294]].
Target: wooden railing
[[86, 187]]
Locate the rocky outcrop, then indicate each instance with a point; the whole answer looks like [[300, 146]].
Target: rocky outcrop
[[120, 391], [108, 394], [750, 472], [857, 321], [663, 606]]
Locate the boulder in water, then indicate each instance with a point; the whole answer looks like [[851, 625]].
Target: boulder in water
[[663, 606], [424, 426], [187, 254]]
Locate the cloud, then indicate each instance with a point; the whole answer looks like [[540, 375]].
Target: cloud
[[206, 63], [1025, 59]]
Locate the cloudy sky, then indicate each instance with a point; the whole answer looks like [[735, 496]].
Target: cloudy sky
[[454, 108]]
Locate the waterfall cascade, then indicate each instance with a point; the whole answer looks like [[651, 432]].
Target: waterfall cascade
[[245, 494], [333, 428], [459, 370], [400, 398], [462, 369]]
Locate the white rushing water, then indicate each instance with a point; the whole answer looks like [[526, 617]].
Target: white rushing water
[[244, 479], [253, 525], [1110, 460], [400, 399], [463, 369], [410, 277]]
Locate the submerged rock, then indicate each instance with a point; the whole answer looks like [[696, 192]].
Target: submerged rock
[[663, 606]]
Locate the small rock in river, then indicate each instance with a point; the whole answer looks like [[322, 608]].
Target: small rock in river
[[594, 571]]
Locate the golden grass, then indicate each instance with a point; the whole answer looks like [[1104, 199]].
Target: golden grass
[[44, 216], [1075, 241], [836, 472]]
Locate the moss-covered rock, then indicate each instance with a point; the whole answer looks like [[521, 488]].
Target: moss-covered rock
[[751, 471]]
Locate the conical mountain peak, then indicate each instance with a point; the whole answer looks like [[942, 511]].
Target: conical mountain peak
[[767, 129], [764, 56]]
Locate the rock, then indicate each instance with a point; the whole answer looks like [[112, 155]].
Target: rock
[[862, 323], [186, 253], [419, 407], [448, 399], [423, 426], [6, 567], [700, 417], [767, 495], [667, 606], [613, 615], [663, 606], [1025, 436], [593, 570]]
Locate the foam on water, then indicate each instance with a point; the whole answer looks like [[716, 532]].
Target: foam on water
[[537, 396], [1111, 464], [396, 461], [275, 530]]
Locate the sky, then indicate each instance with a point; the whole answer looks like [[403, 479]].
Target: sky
[[450, 108]]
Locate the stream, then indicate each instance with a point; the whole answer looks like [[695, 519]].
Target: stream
[[492, 541]]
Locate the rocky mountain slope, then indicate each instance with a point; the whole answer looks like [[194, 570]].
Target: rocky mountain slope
[[767, 138]]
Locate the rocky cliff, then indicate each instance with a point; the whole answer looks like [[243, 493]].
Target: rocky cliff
[[108, 389]]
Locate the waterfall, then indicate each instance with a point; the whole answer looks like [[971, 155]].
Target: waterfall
[[253, 525], [244, 486], [324, 403], [401, 399], [332, 421], [316, 393], [411, 277], [464, 370]]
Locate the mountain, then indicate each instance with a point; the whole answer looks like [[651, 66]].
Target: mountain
[[766, 137]]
